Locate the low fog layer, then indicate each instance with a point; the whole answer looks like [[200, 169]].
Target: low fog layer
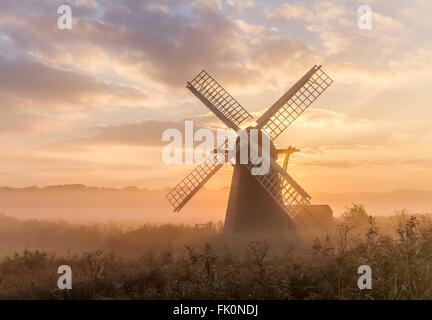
[[81, 204]]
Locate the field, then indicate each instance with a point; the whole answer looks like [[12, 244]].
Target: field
[[186, 262]]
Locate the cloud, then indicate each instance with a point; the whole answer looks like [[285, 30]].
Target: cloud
[[211, 4], [335, 23], [26, 83], [282, 55], [86, 3], [290, 11], [147, 133], [241, 5], [149, 45], [250, 29], [321, 118], [177, 48], [318, 11], [386, 23], [15, 122]]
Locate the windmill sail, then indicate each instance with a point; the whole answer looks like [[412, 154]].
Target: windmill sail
[[282, 187], [296, 100], [218, 100], [189, 186]]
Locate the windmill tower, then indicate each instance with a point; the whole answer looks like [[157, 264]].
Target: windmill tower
[[256, 202]]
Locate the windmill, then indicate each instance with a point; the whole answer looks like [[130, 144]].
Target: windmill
[[256, 202]]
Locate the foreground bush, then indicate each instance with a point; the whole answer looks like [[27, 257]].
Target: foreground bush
[[210, 266]]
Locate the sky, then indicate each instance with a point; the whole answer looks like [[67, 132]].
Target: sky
[[89, 105]]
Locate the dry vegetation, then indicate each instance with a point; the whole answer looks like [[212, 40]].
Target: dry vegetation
[[181, 262]]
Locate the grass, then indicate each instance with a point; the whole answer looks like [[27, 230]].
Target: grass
[[182, 262]]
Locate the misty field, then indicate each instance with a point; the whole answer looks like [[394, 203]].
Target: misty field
[[185, 262]]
